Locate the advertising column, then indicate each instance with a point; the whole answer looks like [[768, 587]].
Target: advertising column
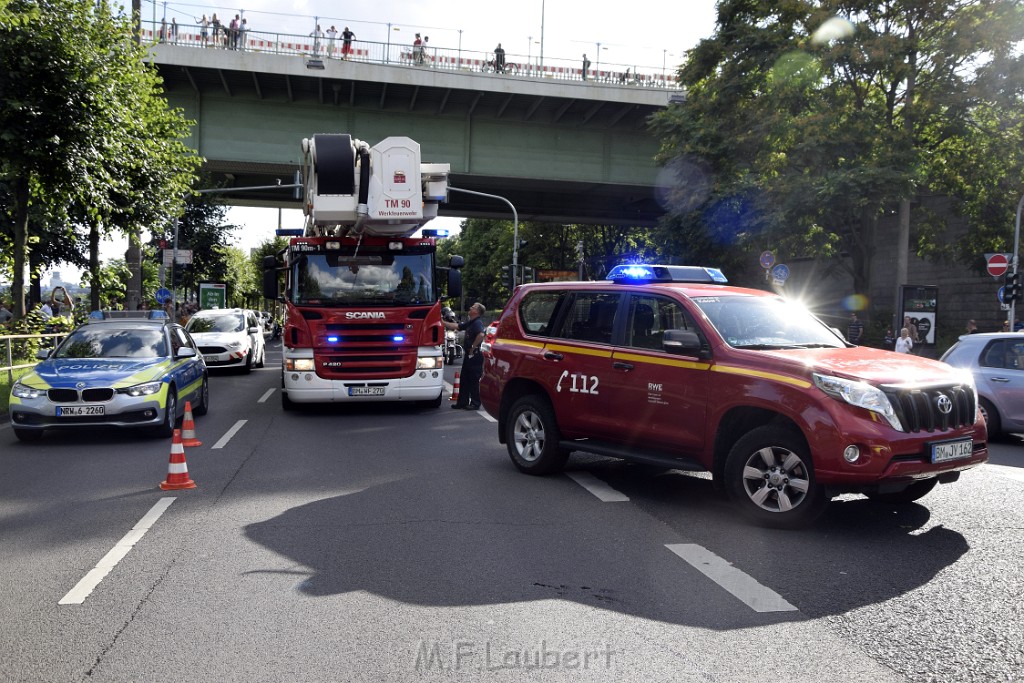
[[920, 305]]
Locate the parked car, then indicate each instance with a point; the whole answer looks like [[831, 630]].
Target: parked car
[[997, 362], [113, 371], [670, 366], [229, 337]]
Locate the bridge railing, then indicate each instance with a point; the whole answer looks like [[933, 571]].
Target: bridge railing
[[408, 56]]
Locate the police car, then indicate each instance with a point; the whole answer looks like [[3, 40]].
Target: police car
[[117, 370], [670, 366]]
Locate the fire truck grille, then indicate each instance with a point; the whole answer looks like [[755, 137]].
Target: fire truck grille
[[935, 409], [345, 327], [367, 365]]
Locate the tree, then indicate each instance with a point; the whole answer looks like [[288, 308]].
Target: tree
[[85, 136], [201, 229], [818, 118]]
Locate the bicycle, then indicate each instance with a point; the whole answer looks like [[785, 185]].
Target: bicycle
[[510, 68]]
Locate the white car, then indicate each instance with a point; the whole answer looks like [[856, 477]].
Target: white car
[[229, 337]]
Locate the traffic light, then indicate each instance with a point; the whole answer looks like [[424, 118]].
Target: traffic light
[[1012, 288], [506, 277], [528, 274]]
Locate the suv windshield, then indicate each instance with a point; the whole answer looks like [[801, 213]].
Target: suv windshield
[[102, 341], [369, 278], [761, 322]]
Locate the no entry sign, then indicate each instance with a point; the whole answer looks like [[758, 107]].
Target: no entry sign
[[998, 264]]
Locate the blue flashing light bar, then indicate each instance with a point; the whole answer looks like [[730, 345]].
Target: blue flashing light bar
[[436, 232], [289, 232], [638, 273], [333, 339], [398, 338]]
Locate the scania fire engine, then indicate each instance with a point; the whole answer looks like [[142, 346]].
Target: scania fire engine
[[362, 296]]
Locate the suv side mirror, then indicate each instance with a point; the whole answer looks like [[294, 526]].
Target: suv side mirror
[[681, 342]]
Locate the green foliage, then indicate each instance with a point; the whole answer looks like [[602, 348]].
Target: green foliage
[[487, 246], [86, 138], [807, 121]]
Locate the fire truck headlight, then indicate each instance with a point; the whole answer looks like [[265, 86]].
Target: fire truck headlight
[[429, 363], [298, 364]]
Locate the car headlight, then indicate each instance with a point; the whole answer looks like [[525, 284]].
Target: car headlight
[[298, 364], [22, 391], [235, 344], [147, 389], [859, 394], [429, 362]]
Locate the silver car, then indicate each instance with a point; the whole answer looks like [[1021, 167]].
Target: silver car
[[997, 363]]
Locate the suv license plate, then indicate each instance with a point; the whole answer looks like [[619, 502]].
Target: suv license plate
[[366, 391], [952, 450], [79, 411]]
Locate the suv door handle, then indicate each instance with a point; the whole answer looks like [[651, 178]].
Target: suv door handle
[[1000, 379], [620, 365], [553, 355]]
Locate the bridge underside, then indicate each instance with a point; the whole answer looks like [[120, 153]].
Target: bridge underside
[[564, 153]]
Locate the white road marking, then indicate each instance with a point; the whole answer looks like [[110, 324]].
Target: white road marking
[[264, 397], [231, 432], [604, 492], [78, 594], [750, 592]]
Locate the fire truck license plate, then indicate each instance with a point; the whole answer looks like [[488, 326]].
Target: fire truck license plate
[[952, 450], [78, 411], [366, 391]]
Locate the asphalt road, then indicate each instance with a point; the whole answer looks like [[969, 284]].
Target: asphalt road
[[392, 543]]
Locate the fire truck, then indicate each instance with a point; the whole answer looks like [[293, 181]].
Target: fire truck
[[361, 294]]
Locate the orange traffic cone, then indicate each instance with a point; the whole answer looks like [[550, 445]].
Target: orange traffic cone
[[177, 469], [455, 388], [188, 428]]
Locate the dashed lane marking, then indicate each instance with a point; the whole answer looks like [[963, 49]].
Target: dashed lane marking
[[604, 492], [78, 594], [231, 432], [742, 586], [264, 397]]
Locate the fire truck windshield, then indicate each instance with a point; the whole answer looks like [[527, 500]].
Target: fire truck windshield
[[381, 278]]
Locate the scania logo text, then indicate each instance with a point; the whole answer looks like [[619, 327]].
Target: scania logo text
[[365, 315]]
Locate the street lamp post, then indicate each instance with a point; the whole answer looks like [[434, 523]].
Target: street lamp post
[[542, 35], [515, 226]]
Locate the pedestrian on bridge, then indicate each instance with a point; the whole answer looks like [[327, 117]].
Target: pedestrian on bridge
[[346, 42], [332, 34], [499, 59], [586, 65]]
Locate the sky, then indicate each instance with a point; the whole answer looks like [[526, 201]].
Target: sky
[[649, 33]]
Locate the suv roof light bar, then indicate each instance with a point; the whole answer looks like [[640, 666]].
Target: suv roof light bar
[[640, 273]]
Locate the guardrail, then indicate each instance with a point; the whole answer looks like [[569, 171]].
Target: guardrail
[[7, 340], [405, 55]]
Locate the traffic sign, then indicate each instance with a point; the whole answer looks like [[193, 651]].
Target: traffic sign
[[767, 259], [997, 264], [780, 274], [1000, 293], [163, 295]]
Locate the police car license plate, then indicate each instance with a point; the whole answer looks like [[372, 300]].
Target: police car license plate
[[952, 450], [79, 411], [366, 391]]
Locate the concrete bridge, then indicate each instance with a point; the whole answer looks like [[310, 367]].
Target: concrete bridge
[[560, 150]]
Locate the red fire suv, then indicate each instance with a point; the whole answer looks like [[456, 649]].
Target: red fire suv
[[667, 365]]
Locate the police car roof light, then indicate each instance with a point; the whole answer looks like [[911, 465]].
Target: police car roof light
[[100, 315], [640, 273]]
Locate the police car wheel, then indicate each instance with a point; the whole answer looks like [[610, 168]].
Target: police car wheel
[[263, 358], [170, 416], [204, 399], [770, 476], [248, 360], [532, 436], [28, 435], [915, 491]]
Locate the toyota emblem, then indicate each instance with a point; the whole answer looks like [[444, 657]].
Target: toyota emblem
[[944, 405]]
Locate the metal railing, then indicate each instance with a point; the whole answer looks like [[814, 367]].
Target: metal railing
[[409, 56], [8, 339]]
